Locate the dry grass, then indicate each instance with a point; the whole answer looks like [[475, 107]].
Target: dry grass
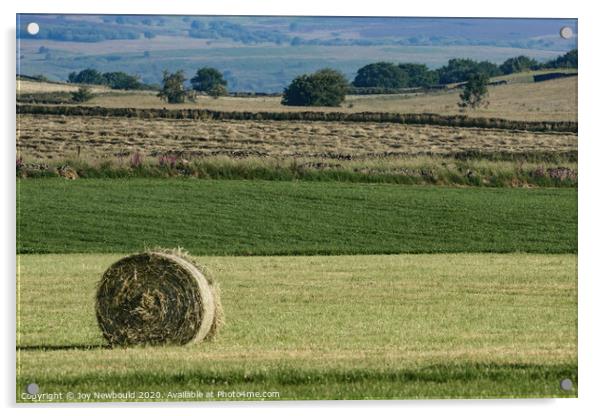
[[553, 100], [59, 137], [33, 87]]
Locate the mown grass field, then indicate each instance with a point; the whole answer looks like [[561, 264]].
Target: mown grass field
[[336, 327], [367, 152], [233, 217], [59, 137]]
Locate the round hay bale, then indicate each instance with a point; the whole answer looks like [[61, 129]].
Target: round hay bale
[[157, 297]]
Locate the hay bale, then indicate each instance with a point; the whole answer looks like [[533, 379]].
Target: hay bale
[[68, 172], [157, 297]]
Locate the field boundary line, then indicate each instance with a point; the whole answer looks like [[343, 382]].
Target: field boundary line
[[372, 117]]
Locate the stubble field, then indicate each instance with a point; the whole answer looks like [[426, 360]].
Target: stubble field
[[360, 327], [59, 137]]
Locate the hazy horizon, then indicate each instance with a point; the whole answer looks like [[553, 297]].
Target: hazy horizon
[[263, 53]]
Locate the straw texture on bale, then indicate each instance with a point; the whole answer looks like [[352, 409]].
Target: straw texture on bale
[[157, 297]]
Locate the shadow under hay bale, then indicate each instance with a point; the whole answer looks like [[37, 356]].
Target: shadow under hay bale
[[157, 297]]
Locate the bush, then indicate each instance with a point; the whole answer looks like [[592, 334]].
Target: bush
[[173, 87], [326, 87], [475, 91], [217, 91], [82, 94]]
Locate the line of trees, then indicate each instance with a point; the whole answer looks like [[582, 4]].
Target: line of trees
[[328, 87], [409, 75], [206, 80], [116, 80]]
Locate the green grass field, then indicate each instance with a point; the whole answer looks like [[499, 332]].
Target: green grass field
[[335, 327], [280, 218]]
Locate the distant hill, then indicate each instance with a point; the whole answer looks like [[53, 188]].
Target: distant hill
[[265, 53]]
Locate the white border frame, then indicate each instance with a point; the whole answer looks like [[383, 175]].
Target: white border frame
[[590, 151]]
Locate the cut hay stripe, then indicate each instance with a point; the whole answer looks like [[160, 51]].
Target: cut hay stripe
[[372, 117]]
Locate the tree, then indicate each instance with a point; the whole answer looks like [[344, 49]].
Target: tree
[[489, 68], [518, 64], [87, 76], [419, 75], [173, 90], [115, 80], [460, 70], [82, 94], [326, 87], [475, 91], [207, 78], [122, 81], [382, 75], [456, 70], [568, 60]]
